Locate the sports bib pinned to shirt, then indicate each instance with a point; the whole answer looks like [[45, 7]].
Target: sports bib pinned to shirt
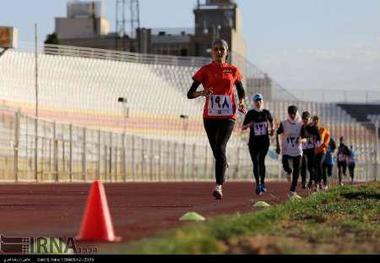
[[341, 157], [260, 128], [291, 142], [309, 144], [220, 105]]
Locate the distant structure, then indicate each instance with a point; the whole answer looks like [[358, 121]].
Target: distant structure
[[8, 37], [127, 14], [85, 26], [218, 19]]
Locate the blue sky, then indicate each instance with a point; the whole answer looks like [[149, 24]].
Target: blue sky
[[295, 41]]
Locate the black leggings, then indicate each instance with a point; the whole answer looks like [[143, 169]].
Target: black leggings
[[327, 170], [295, 171], [351, 169], [342, 167], [258, 153], [218, 133], [307, 159], [319, 175]]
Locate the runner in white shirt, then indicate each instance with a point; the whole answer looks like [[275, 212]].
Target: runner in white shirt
[[292, 135]]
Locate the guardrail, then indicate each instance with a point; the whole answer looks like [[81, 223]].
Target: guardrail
[[95, 53]]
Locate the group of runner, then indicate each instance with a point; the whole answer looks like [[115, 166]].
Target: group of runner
[[303, 141]]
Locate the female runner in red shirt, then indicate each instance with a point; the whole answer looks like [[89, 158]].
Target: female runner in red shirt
[[218, 79]]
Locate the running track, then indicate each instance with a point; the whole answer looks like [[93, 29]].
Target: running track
[[138, 210]]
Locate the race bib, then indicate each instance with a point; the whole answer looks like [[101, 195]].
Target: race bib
[[260, 128], [309, 144], [291, 142], [220, 105], [341, 157]]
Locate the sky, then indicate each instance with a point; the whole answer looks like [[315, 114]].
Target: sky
[[302, 44]]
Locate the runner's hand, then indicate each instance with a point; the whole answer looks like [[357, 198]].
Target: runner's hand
[[249, 125], [207, 92], [278, 150], [242, 108]]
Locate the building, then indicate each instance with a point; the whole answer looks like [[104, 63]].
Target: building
[[218, 19], [83, 21], [85, 26]]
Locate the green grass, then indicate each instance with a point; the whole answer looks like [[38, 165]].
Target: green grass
[[343, 220]]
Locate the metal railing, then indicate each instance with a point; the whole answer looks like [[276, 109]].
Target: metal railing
[[95, 53], [68, 153], [339, 96]]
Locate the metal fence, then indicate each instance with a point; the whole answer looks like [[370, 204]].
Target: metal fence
[[68, 153], [338, 96]]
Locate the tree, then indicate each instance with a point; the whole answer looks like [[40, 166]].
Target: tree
[[52, 39]]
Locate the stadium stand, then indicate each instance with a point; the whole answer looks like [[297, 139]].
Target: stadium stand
[[363, 113], [85, 133]]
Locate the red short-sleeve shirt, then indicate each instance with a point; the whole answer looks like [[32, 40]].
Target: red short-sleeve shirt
[[221, 79]]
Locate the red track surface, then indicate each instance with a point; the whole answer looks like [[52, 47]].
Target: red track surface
[[138, 210]]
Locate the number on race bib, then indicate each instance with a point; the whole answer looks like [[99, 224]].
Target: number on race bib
[[309, 144], [291, 141], [220, 105], [260, 128], [341, 157]]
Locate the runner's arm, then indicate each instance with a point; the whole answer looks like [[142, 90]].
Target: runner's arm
[[326, 140], [248, 121], [193, 93], [303, 137], [279, 131], [317, 134], [240, 90], [241, 95], [270, 120]]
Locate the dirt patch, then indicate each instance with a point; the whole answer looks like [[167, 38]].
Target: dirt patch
[[264, 245], [361, 196], [271, 245]]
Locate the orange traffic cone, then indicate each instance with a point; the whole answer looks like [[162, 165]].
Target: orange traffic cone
[[96, 223]]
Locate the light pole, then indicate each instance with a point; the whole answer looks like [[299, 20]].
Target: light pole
[[36, 105], [377, 146], [124, 102], [185, 125], [126, 115]]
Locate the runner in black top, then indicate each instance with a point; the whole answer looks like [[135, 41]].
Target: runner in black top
[[312, 136], [257, 120], [342, 156]]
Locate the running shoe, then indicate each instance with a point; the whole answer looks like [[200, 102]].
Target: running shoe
[[218, 194], [293, 195], [263, 188], [258, 189], [310, 185], [325, 187]]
